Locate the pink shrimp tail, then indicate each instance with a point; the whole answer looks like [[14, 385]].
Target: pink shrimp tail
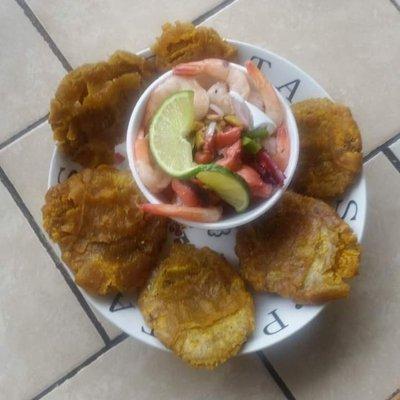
[[282, 148], [198, 214], [254, 72], [188, 69], [271, 102]]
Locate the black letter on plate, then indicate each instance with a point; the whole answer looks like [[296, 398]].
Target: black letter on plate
[[276, 320], [351, 203], [150, 333], [291, 87], [118, 304], [260, 62]]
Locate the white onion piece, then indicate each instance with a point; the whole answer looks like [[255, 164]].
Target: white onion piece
[[241, 110], [211, 129], [216, 109]]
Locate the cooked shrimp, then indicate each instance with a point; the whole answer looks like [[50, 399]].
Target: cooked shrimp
[[278, 147], [219, 70], [199, 214], [154, 178], [238, 82], [175, 84], [272, 105], [282, 148], [186, 192], [256, 99], [219, 95]]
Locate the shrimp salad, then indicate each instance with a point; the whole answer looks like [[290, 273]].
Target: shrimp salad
[[232, 163]]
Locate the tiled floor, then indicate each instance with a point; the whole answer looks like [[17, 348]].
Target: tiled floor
[[44, 331], [29, 72], [157, 375], [116, 24], [52, 346]]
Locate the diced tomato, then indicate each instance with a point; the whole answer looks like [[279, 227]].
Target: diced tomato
[[232, 156], [257, 186], [207, 154], [203, 157], [199, 214], [186, 193], [228, 137], [265, 164]]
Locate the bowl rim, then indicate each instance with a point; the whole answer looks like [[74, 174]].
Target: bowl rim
[[238, 219]]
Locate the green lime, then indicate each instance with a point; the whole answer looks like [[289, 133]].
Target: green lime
[[229, 186], [168, 133]]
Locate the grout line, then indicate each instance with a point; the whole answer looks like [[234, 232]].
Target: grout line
[[393, 395], [278, 380], [392, 158], [42, 31], [211, 12], [23, 131], [87, 362], [396, 4], [21, 205], [381, 147]]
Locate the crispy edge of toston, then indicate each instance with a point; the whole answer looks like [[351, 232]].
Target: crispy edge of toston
[[304, 251], [91, 107], [183, 42], [106, 240], [330, 155], [198, 306]]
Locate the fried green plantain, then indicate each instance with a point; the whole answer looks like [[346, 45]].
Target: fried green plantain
[[330, 155], [198, 306], [304, 251], [108, 242], [92, 105], [183, 42]]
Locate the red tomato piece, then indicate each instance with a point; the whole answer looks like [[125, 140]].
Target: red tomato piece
[[232, 156], [228, 137], [257, 186]]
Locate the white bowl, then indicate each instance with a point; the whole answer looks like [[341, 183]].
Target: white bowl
[[231, 221]]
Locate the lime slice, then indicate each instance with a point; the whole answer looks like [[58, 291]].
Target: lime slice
[[169, 128], [229, 186]]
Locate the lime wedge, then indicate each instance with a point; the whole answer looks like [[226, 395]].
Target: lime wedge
[[229, 186], [169, 128]]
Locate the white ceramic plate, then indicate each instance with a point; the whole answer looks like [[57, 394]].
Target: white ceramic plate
[[276, 318]]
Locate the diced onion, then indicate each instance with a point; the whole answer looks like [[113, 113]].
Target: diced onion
[[216, 109], [241, 110], [211, 129]]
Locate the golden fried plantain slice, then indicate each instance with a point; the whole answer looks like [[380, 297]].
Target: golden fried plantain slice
[[90, 110], [183, 42], [303, 251], [198, 306], [330, 148], [109, 243]]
